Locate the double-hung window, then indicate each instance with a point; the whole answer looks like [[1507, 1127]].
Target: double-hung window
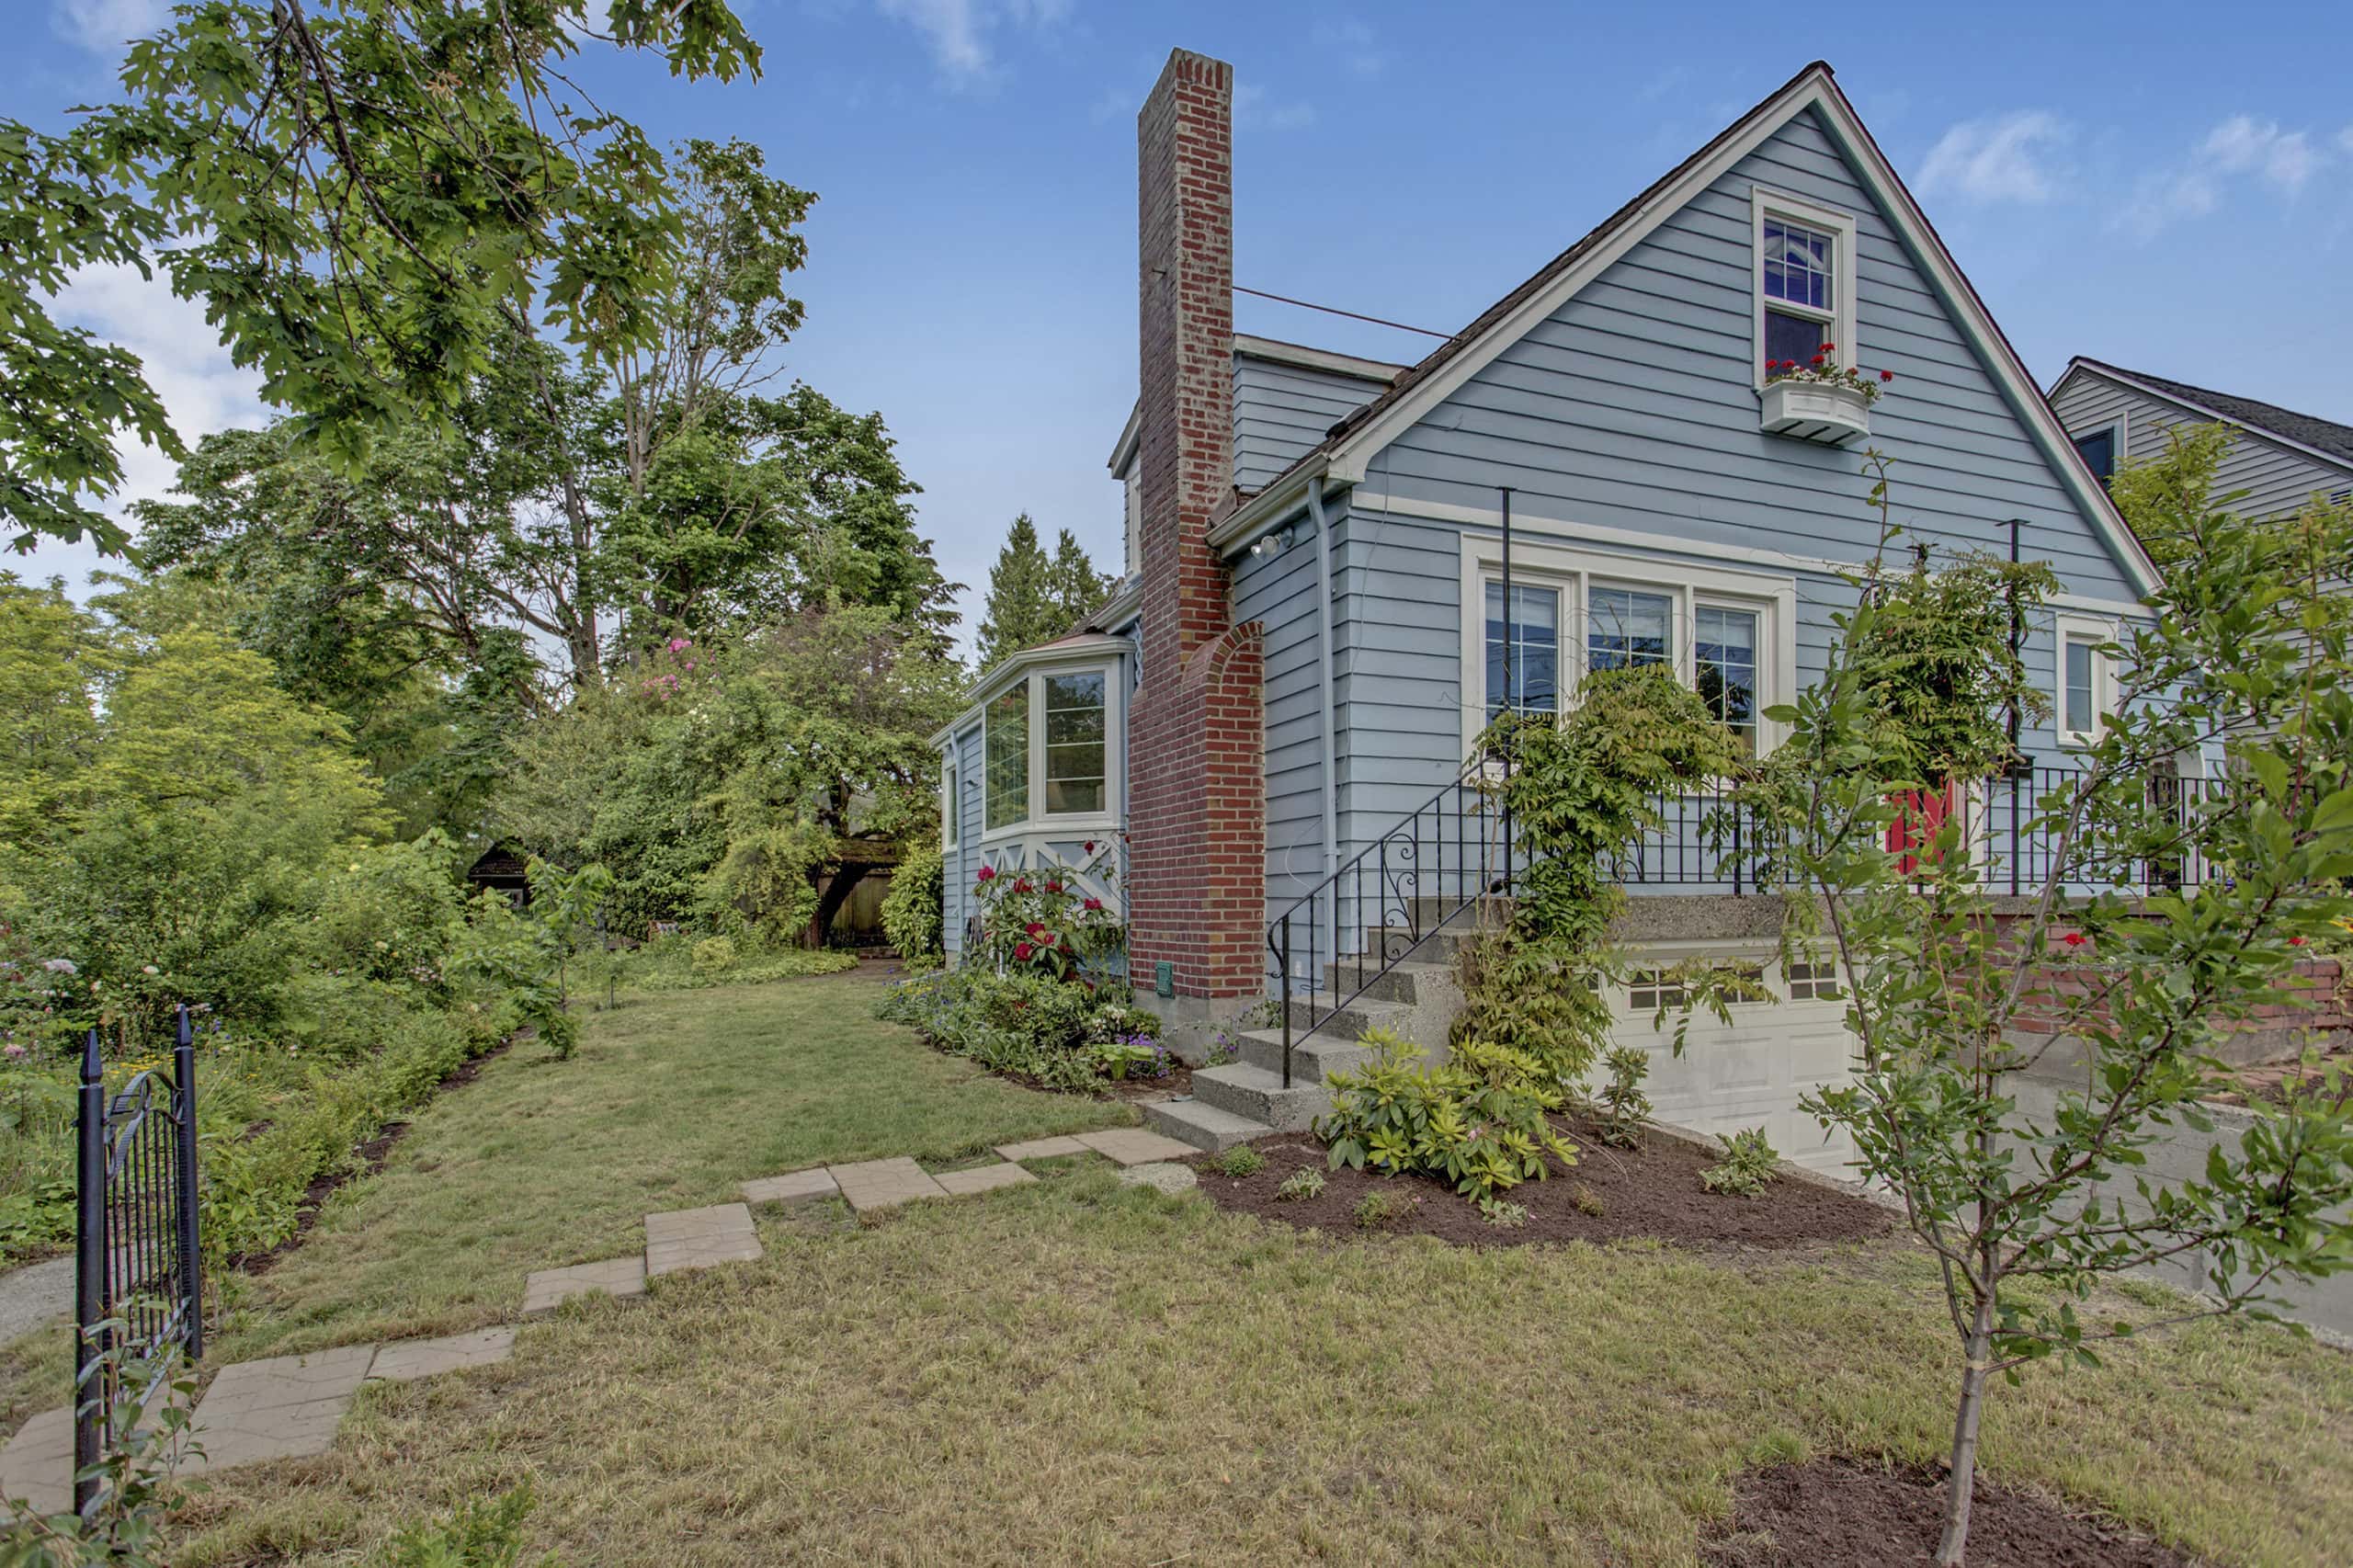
[[1717, 632], [1050, 749], [1805, 280], [2087, 680]]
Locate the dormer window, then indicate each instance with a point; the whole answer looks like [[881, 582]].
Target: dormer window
[[1805, 280]]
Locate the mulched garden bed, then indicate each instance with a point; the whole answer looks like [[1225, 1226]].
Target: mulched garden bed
[[1837, 1514], [1610, 1193]]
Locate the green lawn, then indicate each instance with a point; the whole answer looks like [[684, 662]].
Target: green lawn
[[672, 1101], [1081, 1372]]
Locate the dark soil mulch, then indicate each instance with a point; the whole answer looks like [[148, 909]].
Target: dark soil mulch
[[1838, 1514], [1610, 1193]]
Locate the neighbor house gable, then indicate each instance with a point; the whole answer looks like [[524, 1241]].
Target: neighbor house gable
[[2279, 462]]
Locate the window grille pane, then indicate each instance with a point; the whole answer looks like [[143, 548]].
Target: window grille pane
[[1535, 650], [1724, 663], [1074, 775], [1791, 337], [1005, 745], [1799, 264], [1626, 628], [2081, 717]]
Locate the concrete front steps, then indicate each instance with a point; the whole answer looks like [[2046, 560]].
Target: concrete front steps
[[1246, 1099]]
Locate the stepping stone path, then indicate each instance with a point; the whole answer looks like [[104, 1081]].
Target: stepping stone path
[[289, 1406]]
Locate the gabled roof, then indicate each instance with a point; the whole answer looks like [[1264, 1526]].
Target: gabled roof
[[2320, 438], [1342, 456]]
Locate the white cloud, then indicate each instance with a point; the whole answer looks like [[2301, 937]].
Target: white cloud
[[2242, 144], [2006, 158], [1353, 47], [1254, 111], [958, 31], [201, 390], [103, 26], [2240, 149]]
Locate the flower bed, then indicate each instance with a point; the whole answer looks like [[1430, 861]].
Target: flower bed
[[1652, 1189]]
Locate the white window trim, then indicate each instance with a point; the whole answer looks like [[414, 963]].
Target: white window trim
[[1845, 330], [1775, 599], [950, 827], [1132, 488], [2072, 628], [1115, 728]]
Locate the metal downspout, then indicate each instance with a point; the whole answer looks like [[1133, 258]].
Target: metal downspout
[[1325, 664]]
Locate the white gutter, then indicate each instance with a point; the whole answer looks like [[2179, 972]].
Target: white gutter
[[1324, 658]]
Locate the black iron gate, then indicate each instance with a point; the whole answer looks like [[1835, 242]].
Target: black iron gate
[[136, 1263]]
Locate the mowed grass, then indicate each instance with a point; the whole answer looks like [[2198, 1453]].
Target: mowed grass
[[673, 1100], [1078, 1372]]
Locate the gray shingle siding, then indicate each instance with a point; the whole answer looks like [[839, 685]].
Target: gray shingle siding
[[2277, 480]]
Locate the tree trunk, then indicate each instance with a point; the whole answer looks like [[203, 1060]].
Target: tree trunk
[[835, 893], [1963, 1483]]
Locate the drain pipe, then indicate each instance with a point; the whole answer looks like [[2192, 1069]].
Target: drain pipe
[[1324, 663]]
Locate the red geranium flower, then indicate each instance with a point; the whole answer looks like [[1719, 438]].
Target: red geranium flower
[[1817, 359], [988, 874], [1830, 348], [2074, 939], [1887, 375], [1021, 950]]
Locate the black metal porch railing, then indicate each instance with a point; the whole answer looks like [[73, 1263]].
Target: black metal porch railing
[[1382, 904], [1389, 898], [136, 1263]]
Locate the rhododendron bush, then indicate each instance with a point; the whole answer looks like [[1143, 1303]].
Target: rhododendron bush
[[1046, 922]]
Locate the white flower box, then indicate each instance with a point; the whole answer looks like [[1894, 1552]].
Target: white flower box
[[1816, 411]]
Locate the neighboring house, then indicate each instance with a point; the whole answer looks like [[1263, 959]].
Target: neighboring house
[[1280, 703], [2280, 459]]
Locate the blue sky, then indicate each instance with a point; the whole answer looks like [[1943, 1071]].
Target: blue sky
[[2165, 187]]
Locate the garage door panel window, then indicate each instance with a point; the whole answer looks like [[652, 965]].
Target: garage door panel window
[[1813, 981]]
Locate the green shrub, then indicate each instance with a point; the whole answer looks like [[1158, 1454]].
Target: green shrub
[[914, 910], [713, 957], [1477, 1122], [1502, 1214], [1749, 1165], [1382, 1206], [1026, 1024], [1300, 1185], [1241, 1161], [1622, 1106], [1586, 1201], [481, 1532]]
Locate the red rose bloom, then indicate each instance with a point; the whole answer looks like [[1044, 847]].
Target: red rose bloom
[[1887, 375], [988, 874], [1021, 950], [2074, 939]]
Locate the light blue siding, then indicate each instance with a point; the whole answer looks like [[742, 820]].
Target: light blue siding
[[1279, 592], [1282, 410], [1633, 409], [1632, 406], [963, 862]]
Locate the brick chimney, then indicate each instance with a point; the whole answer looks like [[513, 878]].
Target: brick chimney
[[1196, 730]]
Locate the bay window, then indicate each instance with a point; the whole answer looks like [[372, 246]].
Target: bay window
[[1050, 745]]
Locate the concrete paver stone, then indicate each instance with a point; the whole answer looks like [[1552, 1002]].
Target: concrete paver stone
[[1135, 1146], [411, 1358], [1041, 1149], [793, 1186], [873, 1185], [982, 1179], [699, 1238], [551, 1288]]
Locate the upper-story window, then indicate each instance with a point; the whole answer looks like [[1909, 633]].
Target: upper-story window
[[2098, 453], [1805, 280], [1050, 745]]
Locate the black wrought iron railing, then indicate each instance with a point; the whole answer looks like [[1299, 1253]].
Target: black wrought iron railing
[[138, 1281], [1336, 942]]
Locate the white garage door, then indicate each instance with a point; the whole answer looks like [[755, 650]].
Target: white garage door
[[1751, 1070]]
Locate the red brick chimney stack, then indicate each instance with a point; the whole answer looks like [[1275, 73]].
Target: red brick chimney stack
[[1196, 730]]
